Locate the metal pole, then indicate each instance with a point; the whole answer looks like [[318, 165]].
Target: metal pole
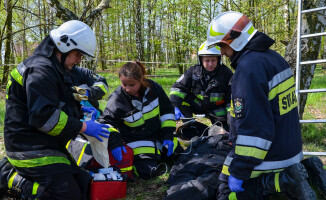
[[297, 78]]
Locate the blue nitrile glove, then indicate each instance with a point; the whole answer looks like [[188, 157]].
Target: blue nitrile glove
[[170, 146], [235, 184], [117, 153], [95, 129], [90, 110], [177, 113], [87, 104], [87, 93]]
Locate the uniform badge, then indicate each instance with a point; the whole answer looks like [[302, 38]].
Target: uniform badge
[[238, 107]]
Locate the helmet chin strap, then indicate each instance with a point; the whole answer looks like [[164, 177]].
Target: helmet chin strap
[[63, 58]]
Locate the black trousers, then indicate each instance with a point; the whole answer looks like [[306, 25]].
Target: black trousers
[[66, 186]]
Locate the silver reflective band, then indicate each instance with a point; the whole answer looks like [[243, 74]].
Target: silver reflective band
[[279, 78], [254, 142]]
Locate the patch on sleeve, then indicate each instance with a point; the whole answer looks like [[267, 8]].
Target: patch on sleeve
[[238, 107]]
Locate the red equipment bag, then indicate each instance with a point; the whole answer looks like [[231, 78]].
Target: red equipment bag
[[126, 163], [106, 190]]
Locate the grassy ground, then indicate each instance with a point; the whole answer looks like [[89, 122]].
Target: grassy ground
[[313, 134]]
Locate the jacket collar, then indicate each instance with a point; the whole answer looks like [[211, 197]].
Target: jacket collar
[[260, 42]]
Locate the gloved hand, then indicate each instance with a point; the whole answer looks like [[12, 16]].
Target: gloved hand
[[90, 110], [177, 113], [87, 94], [170, 146], [235, 184], [95, 129], [117, 153]]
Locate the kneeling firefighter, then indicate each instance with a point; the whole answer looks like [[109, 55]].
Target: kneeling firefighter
[[204, 88], [42, 116], [265, 130]]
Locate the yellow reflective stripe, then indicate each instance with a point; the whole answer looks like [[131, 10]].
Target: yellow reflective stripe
[[135, 170], [287, 101], [126, 169], [11, 179], [280, 88], [255, 174], [102, 88], [225, 170], [179, 94], [175, 142], [60, 125], [251, 30], [228, 109], [36, 162], [7, 88], [277, 182], [67, 145], [152, 113], [35, 187], [111, 129], [81, 154], [168, 123], [139, 122], [185, 104], [16, 75], [214, 33], [145, 116], [233, 196], [199, 96], [250, 151], [149, 150]]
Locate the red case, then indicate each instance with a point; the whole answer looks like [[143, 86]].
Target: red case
[[106, 190], [127, 161]]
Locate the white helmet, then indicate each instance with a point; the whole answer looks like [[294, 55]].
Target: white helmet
[[232, 28], [74, 35], [204, 51]]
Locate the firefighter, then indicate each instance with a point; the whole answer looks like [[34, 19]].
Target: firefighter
[[95, 85], [144, 116], [204, 88], [265, 129], [42, 116]]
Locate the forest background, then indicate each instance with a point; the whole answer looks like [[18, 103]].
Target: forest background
[[165, 35]]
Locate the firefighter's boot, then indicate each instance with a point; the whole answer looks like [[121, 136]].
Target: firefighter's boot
[[10, 179], [292, 181], [317, 175]]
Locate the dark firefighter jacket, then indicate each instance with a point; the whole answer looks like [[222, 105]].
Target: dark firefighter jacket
[[142, 122], [41, 114], [195, 173], [265, 125], [94, 83], [209, 93]]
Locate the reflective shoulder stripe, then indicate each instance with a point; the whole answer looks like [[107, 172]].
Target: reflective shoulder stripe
[[7, 88], [60, 125], [17, 76], [103, 86], [253, 141], [36, 162], [280, 82], [152, 113]]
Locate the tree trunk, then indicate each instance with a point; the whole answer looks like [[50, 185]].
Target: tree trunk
[[138, 30], [8, 42], [310, 47]]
